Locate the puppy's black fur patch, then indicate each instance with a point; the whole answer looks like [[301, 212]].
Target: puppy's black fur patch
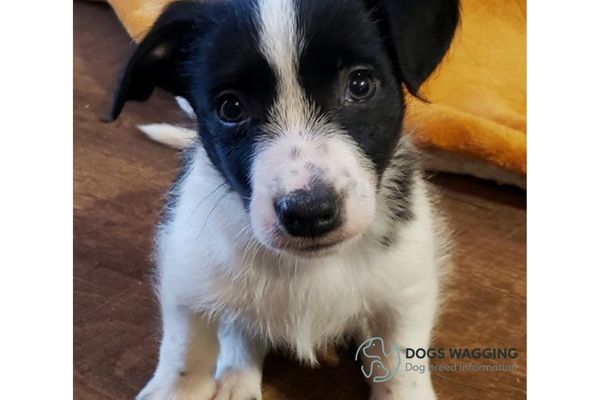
[[332, 47]]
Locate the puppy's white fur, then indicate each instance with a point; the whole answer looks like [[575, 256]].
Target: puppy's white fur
[[211, 266], [226, 297]]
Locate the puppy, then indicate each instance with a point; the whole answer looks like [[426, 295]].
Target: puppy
[[300, 218]]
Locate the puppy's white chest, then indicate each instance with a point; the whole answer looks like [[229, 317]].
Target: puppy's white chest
[[301, 305]]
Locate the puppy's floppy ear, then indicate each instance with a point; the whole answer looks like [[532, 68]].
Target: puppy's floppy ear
[[418, 33], [159, 60]]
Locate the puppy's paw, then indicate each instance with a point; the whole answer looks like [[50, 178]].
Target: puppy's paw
[[410, 390], [421, 392], [239, 385], [179, 388]]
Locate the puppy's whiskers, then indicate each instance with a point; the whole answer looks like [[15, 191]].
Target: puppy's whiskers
[[204, 199], [212, 210]]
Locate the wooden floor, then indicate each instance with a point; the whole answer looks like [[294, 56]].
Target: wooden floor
[[120, 180]]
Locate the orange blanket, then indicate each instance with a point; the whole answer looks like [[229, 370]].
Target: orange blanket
[[476, 120]]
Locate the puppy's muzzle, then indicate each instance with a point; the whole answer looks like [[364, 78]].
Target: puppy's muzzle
[[309, 213]]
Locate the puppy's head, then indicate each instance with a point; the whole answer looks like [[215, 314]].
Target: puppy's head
[[299, 102]]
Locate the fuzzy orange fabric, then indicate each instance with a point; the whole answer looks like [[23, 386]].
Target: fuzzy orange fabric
[[137, 16], [476, 120]]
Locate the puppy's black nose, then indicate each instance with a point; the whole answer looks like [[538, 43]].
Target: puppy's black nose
[[309, 213]]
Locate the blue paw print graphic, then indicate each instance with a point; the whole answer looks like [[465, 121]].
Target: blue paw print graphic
[[379, 365]]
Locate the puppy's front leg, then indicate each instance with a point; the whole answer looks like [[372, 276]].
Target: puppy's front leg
[[407, 326], [187, 357], [239, 366]]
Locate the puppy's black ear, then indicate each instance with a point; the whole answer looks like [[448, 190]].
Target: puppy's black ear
[[418, 33], [159, 60]]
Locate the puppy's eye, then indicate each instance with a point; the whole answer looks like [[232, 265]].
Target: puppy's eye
[[360, 86], [230, 108]]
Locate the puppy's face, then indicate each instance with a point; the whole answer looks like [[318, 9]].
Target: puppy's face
[[298, 103]]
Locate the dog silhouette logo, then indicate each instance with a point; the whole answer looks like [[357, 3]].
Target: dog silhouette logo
[[379, 364]]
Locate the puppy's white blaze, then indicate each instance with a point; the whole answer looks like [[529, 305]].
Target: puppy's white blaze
[[280, 43], [304, 146]]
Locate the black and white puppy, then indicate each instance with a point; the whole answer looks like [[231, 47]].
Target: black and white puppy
[[300, 218]]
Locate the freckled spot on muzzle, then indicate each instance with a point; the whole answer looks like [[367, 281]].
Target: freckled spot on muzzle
[[313, 168], [295, 153]]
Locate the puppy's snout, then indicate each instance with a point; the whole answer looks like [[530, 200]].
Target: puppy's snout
[[309, 213]]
